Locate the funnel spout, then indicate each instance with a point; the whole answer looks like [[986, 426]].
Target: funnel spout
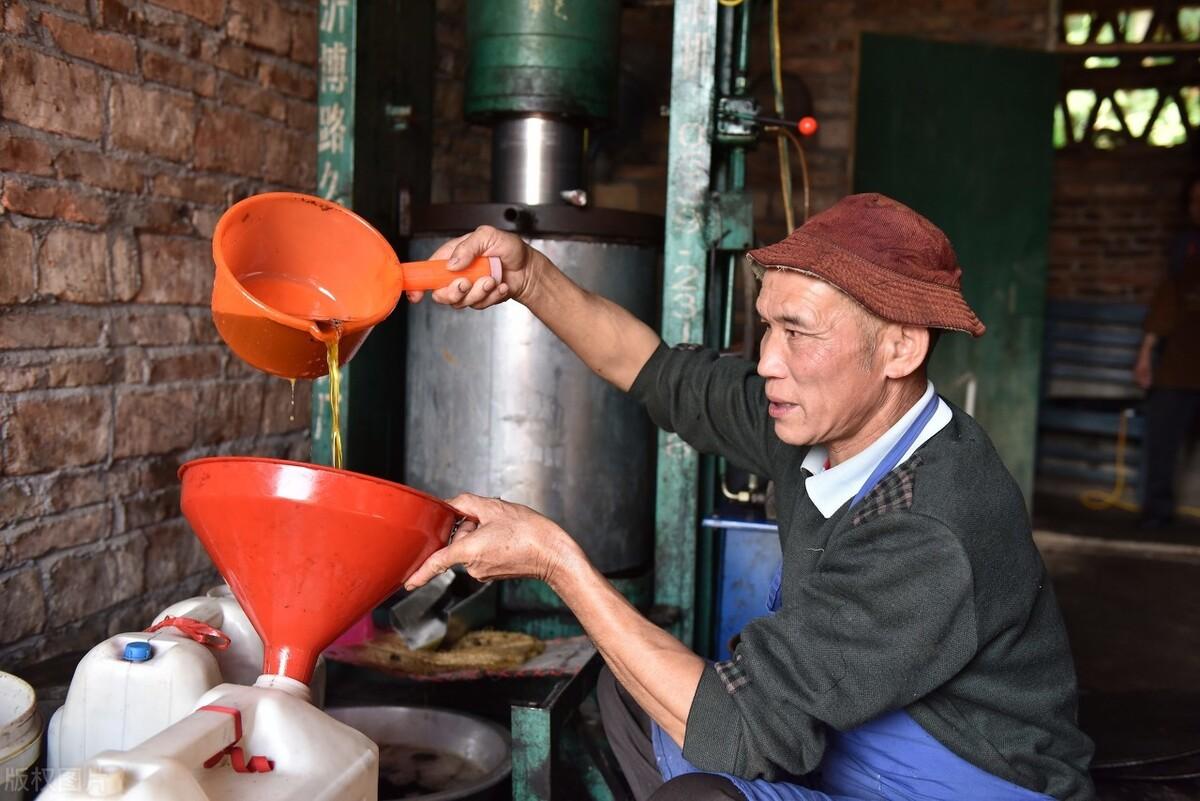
[[297, 689]]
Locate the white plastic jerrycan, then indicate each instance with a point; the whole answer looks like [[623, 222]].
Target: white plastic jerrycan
[[266, 743], [128, 688], [134, 685]]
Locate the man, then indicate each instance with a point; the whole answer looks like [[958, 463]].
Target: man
[[915, 649], [1172, 332]]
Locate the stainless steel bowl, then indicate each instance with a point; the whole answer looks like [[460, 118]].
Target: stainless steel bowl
[[480, 743]]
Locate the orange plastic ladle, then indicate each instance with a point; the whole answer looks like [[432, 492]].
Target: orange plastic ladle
[[295, 271]]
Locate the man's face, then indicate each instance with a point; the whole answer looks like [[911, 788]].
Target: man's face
[[821, 384]]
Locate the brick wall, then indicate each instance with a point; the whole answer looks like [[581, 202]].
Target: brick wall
[[125, 129], [1114, 214]]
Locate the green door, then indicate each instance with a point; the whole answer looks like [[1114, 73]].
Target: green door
[[962, 134]]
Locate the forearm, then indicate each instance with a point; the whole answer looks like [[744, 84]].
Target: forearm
[[608, 338], [1147, 347], [655, 668]]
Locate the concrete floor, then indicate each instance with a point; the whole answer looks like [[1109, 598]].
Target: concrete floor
[[1132, 608]]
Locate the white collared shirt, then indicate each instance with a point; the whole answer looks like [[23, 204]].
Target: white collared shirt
[[830, 488]]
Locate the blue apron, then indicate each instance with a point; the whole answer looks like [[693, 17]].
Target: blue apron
[[890, 757]]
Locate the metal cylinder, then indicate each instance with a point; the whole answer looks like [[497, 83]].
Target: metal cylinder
[[545, 56], [497, 405], [534, 159]]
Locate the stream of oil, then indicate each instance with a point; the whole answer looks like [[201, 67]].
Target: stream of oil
[[335, 397]]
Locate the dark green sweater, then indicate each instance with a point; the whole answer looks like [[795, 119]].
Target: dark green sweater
[[929, 596]]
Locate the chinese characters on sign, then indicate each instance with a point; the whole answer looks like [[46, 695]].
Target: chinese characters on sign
[[335, 100]]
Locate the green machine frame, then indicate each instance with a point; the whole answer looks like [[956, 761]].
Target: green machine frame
[[708, 221]]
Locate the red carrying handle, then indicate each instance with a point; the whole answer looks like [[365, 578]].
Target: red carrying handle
[[199, 631]]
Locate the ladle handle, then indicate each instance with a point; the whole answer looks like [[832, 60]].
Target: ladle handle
[[427, 275]]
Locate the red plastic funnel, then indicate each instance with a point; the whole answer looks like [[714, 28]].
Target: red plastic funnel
[[308, 549]]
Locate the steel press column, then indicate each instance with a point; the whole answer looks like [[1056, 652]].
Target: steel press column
[[693, 74]]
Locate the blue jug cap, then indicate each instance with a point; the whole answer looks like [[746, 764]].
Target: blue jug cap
[[137, 651]]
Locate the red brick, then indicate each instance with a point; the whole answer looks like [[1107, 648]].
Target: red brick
[[163, 217], [126, 268], [229, 56], [22, 605], [304, 38], [260, 23], [290, 80], [65, 490], [107, 49], [78, 6], [150, 326], [203, 330], [176, 72], [205, 221], [49, 93], [153, 121], [185, 366], [18, 378], [58, 532], [74, 266], [15, 19], [54, 431], [175, 270], [80, 584], [25, 155], [132, 476], [40, 373], [230, 141], [81, 372], [198, 189], [135, 367], [19, 500], [16, 277], [157, 421], [49, 328], [229, 410], [236, 368], [145, 510], [54, 202], [173, 552], [291, 160], [99, 169], [210, 12], [302, 115], [253, 98], [116, 15]]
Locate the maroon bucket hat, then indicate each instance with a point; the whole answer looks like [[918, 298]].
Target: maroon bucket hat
[[893, 261]]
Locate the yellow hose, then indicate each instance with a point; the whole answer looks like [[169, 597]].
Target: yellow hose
[[779, 130], [1115, 497], [785, 165]]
